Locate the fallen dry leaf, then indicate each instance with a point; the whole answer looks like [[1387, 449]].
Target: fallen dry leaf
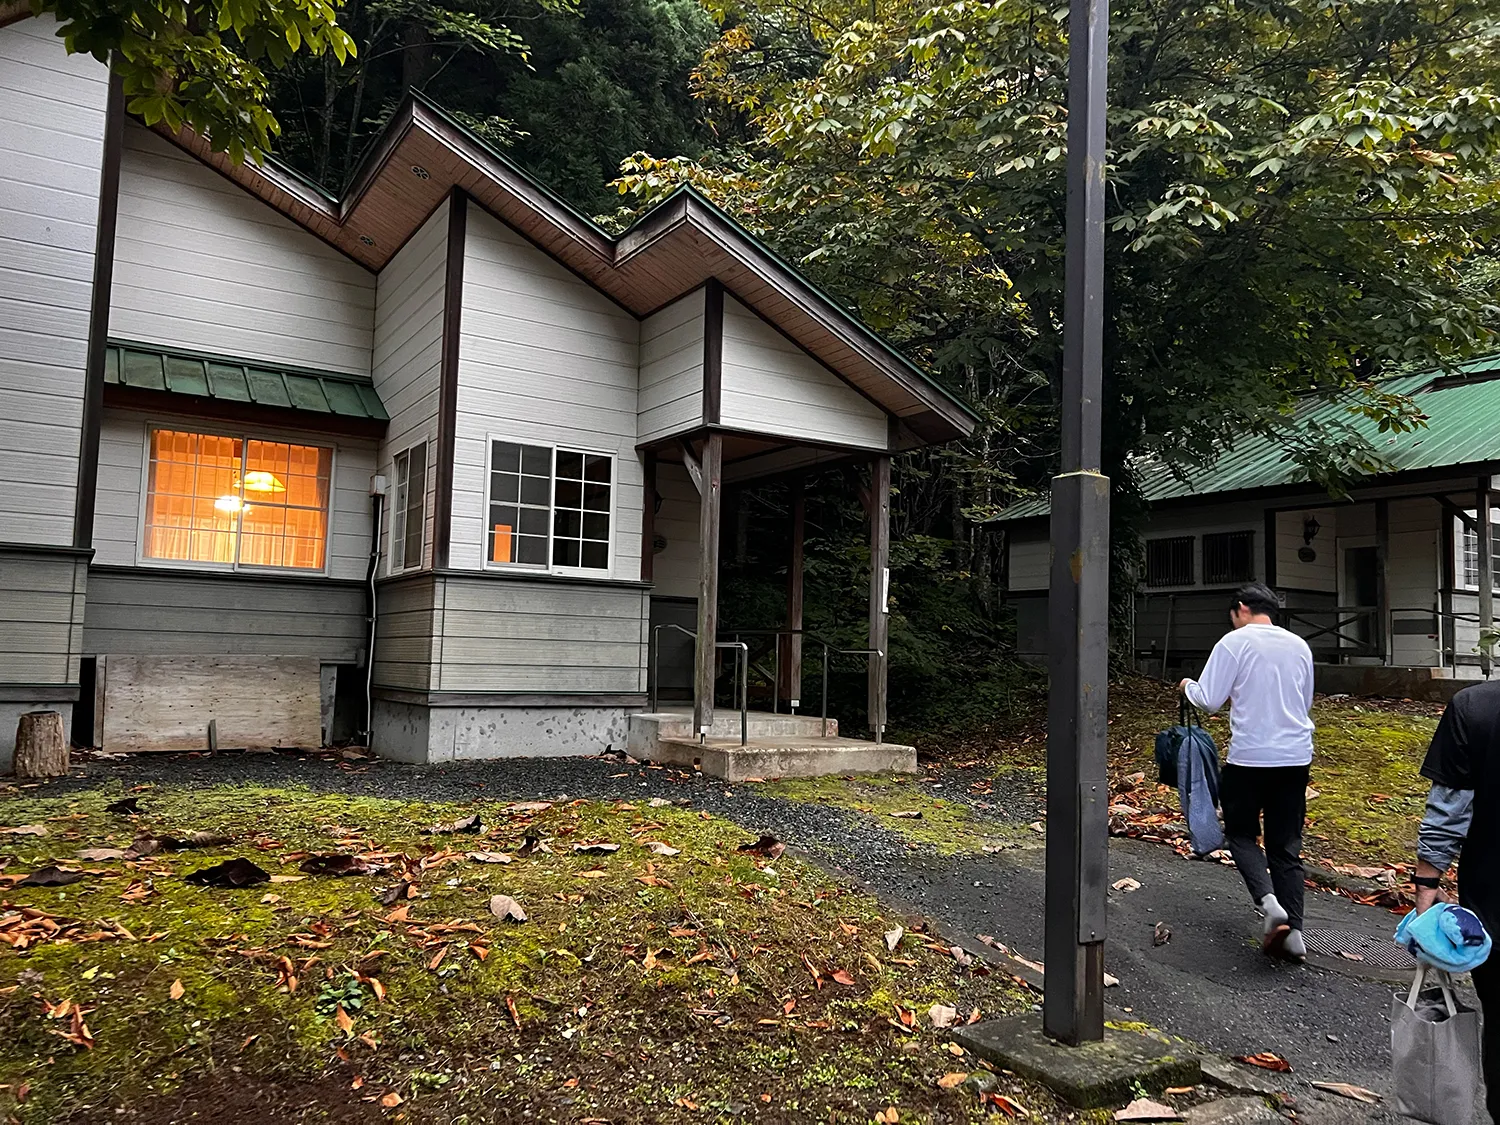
[[1144, 1109], [598, 847], [126, 806], [596, 873], [890, 1115], [339, 866], [462, 824], [391, 1100], [1266, 1061], [893, 939], [661, 849], [908, 814], [99, 855], [51, 876], [948, 1081], [525, 807], [506, 908], [841, 976], [1161, 934], [1007, 1106], [510, 1003], [1346, 1090], [491, 857], [341, 1017], [230, 873], [768, 846], [1125, 885], [25, 830], [176, 992], [942, 1015]]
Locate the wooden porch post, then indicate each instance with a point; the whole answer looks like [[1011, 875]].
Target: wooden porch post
[[710, 496], [1383, 629], [1485, 536], [880, 570], [791, 649]]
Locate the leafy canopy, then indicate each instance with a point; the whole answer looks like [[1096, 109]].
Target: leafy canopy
[[197, 62], [1298, 192]]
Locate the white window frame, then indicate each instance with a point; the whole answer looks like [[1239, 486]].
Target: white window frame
[[551, 568], [1461, 582], [400, 502], [193, 426]]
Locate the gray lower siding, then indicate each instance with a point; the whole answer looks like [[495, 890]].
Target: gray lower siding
[[42, 594], [461, 632], [149, 612]]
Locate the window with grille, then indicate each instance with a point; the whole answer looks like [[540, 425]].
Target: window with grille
[[1169, 562], [549, 508], [229, 501], [1229, 556], [409, 510], [1468, 556]]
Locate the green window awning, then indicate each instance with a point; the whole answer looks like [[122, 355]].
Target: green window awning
[[230, 380]]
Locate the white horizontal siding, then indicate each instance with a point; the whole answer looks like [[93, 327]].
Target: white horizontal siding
[[41, 617], [202, 264], [51, 155], [408, 357], [671, 390], [542, 358], [1292, 573], [676, 568], [122, 452], [1413, 563], [772, 386]]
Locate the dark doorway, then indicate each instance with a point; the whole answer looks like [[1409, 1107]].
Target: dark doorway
[[83, 710], [1362, 589]]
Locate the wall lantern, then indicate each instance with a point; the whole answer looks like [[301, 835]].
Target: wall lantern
[[1310, 529]]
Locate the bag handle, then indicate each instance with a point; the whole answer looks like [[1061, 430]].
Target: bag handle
[[1445, 984], [1187, 714]]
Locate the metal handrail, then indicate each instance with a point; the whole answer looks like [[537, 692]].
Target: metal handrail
[[828, 647], [742, 667]]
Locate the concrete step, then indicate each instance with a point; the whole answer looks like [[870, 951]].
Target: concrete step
[[781, 757], [646, 728]]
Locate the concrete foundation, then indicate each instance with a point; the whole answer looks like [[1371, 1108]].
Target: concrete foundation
[[427, 735], [1088, 1076], [1426, 684], [778, 746]]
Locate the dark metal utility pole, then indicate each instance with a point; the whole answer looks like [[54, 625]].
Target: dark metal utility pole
[[1078, 635]]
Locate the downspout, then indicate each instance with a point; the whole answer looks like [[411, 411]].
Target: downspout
[[377, 508]]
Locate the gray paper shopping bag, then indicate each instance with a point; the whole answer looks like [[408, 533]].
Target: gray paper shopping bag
[[1434, 1053]]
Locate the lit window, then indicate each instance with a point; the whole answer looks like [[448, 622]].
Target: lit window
[[236, 502], [409, 509], [549, 508]]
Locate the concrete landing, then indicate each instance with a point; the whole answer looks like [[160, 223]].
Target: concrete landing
[[783, 757], [1090, 1076]]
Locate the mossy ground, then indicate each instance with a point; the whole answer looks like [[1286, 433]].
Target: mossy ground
[[667, 988]]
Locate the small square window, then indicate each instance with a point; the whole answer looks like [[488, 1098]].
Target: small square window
[[1169, 562], [549, 507], [1229, 556]]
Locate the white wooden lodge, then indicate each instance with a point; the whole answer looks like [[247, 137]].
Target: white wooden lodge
[[216, 381], [1392, 585]]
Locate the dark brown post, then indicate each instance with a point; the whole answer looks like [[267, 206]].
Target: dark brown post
[[1382, 631], [1485, 535], [648, 521], [880, 581], [791, 648], [711, 466]]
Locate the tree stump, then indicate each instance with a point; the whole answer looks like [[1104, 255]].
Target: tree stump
[[41, 745]]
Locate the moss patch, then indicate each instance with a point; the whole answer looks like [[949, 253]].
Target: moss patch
[[707, 985], [944, 825]]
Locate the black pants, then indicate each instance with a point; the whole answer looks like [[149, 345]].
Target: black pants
[[1487, 985], [1279, 793]]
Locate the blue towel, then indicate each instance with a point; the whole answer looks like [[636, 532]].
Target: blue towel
[[1446, 937]]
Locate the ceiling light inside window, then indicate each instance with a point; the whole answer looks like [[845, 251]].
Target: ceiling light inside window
[[367, 240], [418, 171], [230, 504], [258, 480]]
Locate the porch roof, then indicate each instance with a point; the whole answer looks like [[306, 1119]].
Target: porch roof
[[1463, 428]]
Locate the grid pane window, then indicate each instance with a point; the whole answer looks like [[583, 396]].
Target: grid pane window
[[549, 507], [1229, 556], [1169, 562], [1469, 556], [228, 501], [409, 509]]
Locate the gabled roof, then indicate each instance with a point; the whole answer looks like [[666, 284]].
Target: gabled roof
[[1463, 428], [423, 154]]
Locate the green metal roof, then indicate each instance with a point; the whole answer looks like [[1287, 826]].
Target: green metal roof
[[231, 380], [1463, 427]]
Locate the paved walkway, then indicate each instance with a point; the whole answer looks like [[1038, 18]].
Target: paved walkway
[[1208, 984]]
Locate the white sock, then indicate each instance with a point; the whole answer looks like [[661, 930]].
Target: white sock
[[1294, 947], [1275, 914]]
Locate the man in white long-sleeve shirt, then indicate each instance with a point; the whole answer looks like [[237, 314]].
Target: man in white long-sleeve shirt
[[1265, 673]]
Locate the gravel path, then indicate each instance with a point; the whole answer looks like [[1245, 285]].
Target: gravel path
[[1207, 984]]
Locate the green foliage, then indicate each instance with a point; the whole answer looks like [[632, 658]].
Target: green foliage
[[197, 63], [1296, 194]]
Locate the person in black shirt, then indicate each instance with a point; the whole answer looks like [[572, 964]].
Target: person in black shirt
[[1463, 818]]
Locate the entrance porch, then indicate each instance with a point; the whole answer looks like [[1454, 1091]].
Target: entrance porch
[[702, 668]]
